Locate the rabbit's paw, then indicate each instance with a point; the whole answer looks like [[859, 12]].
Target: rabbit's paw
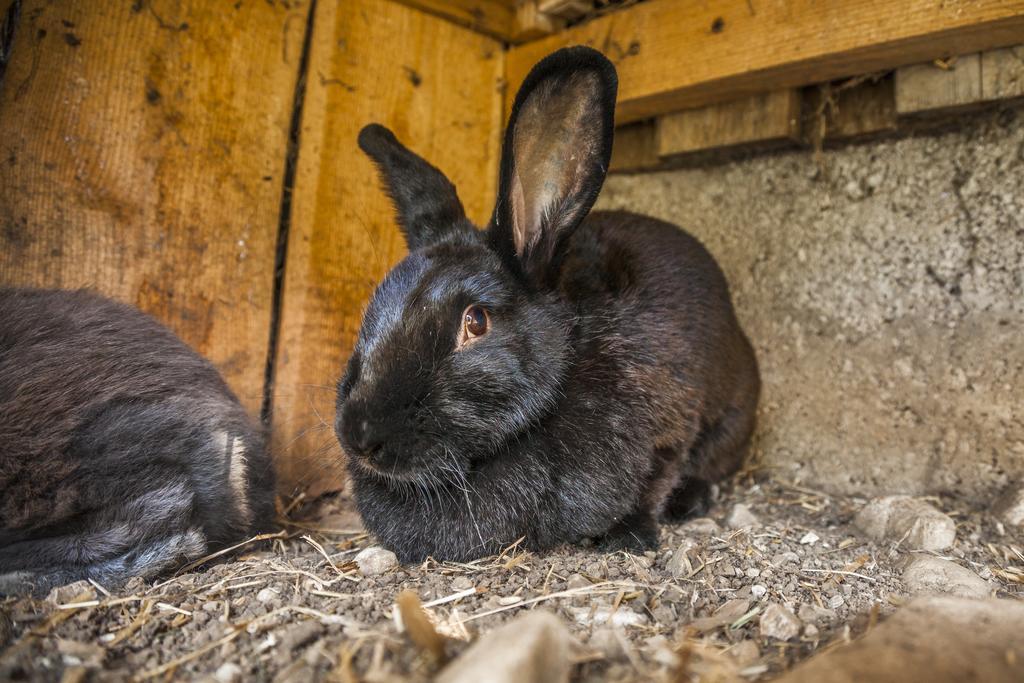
[[635, 533], [692, 498]]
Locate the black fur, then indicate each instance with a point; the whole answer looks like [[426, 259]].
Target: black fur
[[122, 452], [614, 383]]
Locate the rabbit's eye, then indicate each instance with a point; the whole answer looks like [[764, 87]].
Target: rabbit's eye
[[475, 323]]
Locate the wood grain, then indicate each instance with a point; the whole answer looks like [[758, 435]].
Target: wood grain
[[926, 87], [438, 86], [677, 55], [635, 148], [867, 108], [496, 18], [764, 118], [1002, 73], [142, 149]]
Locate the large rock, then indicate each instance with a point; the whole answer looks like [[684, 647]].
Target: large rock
[[533, 648], [1010, 506], [934, 639], [902, 519], [927, 574]]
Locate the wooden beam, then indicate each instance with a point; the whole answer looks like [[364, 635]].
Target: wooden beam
[[1002, 73], [948, 84], [963, 82], [141, 162], [676, 55], [496, 18], [758, 119], [438, 86], [849, 109], [635, 148]]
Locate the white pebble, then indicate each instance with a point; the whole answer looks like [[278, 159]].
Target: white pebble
[[228, 673], [758, 591], [266, 595], [779, 622], [810, 538], [375, 560]]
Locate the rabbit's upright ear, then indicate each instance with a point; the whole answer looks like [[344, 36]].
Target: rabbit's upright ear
[[424, 198], [555, 157]]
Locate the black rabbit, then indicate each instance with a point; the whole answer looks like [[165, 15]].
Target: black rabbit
[[551, 377], [122, 452]]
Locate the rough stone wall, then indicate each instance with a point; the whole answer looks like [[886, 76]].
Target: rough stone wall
[[883, 287]]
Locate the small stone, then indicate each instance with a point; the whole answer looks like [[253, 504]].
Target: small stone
[[812, 613], [745, 652], [740, 517], [701, 526], [779, 622], [758, 591], [375, 560], [462, 583], [78, 591], [902, 519], [300, 634], [681, 563], [611, 643], [810, 538], [532, 647], [228, 672], [577, 581], [1010, 506], [211, 606], [266, 595], [927, 574], [753, 573], [788, 557], [836, 601], [622, 617]]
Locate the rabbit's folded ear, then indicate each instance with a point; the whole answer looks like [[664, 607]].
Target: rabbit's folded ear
[[424, 198], [555, 157]]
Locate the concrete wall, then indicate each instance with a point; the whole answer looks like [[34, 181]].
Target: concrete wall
[[883, 286]]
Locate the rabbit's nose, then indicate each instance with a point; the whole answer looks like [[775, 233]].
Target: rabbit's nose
[[368, 436]]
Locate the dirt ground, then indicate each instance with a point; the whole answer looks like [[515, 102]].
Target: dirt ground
[[297, 608]]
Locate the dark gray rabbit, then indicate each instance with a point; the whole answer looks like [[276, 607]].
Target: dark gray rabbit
[[122, 452], [557, 376]]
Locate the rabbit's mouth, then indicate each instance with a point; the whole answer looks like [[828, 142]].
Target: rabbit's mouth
[[379, 463], [429, 469]]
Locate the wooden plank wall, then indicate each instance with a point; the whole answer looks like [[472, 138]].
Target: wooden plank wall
[[675, 55], [439, 87], [142, 147]]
